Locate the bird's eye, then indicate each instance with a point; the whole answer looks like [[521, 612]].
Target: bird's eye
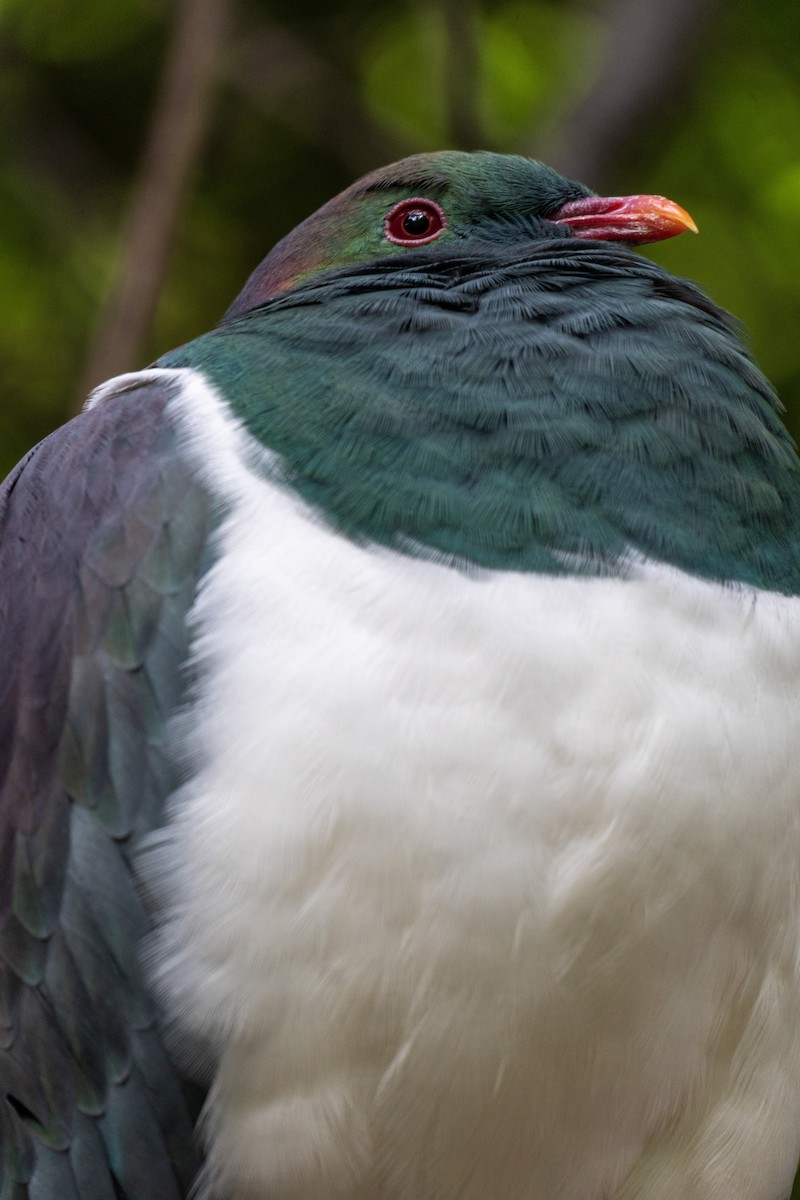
[[414, 222]]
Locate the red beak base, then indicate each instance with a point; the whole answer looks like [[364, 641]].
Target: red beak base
[[637, 219]]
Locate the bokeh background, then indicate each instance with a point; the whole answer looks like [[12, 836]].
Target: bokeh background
[[154, 150]]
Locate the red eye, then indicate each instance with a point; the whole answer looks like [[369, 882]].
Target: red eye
[[414, 222]]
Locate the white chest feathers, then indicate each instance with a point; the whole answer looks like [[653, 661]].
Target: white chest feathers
[[485, 887]]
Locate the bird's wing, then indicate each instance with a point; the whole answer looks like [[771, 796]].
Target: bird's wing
[[103, 535]]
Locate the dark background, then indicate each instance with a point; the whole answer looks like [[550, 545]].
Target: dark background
[[155, 149]]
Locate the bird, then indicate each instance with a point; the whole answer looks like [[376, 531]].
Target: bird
[[399, 788]]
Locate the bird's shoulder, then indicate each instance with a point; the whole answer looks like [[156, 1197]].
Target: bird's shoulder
[[103, 534]]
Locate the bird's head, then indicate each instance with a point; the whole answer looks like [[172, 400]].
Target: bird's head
[[449, 198]]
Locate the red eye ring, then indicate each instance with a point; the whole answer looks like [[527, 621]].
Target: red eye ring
[[414, 222]]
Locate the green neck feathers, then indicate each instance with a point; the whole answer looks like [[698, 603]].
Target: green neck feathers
[[549, 408]]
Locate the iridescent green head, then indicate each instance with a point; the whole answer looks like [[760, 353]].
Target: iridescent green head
[[438, 200]]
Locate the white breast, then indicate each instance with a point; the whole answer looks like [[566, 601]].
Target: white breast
[[483, 886]]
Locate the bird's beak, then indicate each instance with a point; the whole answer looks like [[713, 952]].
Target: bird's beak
[[636, 219]]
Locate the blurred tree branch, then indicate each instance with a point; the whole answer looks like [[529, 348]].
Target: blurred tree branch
[[179, 124], [651, 48], [462, 75]]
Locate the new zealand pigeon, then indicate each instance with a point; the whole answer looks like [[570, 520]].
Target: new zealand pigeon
[[400, 687]]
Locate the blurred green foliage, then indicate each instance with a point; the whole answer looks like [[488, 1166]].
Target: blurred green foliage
[[299, 85], [528, 62]]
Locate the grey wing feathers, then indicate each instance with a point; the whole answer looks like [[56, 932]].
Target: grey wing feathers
[[103, 536]]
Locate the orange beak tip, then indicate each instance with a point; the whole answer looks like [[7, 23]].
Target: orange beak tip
[[637, 219]]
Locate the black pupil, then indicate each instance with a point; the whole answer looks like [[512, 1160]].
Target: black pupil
[[416, 223]]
